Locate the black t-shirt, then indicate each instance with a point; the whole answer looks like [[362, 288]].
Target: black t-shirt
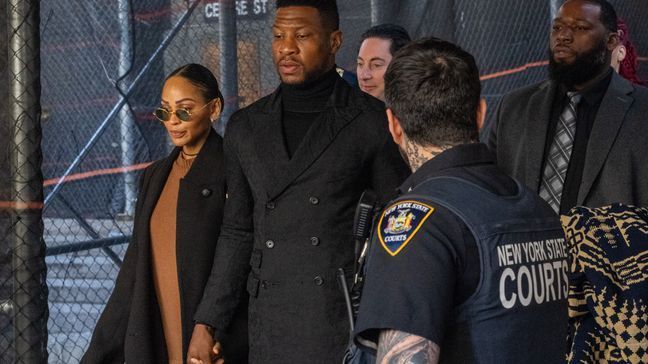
[[414, 288]]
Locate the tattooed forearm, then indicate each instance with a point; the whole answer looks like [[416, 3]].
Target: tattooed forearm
[[397, 347]]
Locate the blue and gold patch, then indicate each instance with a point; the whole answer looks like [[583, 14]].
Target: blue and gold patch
[[400, 222]]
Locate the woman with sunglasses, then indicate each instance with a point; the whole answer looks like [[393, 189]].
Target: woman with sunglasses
[[149, 316]]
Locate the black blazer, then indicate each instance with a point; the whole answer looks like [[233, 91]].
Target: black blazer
[[288, 223], [615, 165], [130, 327]]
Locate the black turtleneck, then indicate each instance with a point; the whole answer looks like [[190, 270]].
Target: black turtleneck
[[302, 104]]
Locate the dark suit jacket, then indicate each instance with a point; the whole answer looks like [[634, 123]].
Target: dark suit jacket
[[615, 168], [130, 327], [288, 223]]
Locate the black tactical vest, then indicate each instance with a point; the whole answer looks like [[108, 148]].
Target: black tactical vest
[[518, 313]]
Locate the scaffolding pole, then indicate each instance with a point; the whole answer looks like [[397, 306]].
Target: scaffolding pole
[[127, 122], [375, 12], [228, 61], [554, 5], [29, 301]]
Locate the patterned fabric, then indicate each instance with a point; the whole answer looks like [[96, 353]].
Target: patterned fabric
[[608, 289], [553, 177]]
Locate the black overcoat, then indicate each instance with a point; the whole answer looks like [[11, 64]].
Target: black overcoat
[[288, 223], [130, 328]]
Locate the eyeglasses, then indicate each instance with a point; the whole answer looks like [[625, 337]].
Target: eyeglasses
[[183, 114]]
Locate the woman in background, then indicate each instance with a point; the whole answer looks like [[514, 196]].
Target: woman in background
[[149, 316], [624, 56]]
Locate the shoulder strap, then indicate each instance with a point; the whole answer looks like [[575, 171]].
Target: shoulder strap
[[477, 206]]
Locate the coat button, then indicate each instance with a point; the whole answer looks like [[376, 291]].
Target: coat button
[[264, 284], [270, 205], [315, 241], [206, 192], [313, 200], [318, 281], [270, 244]]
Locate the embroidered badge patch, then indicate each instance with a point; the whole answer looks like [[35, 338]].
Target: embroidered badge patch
[[400, 222]]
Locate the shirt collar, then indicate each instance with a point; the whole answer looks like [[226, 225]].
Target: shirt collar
[[595, 92]]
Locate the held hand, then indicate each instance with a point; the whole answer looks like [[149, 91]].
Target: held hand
[[218, 352], [201, 345]]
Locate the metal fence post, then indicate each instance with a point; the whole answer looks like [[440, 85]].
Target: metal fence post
[[29, 289], [554, 5], [127, 122], [375, 12], [228, 60], [6, 215]]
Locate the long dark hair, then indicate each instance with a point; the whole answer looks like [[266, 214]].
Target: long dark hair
[[202, 78], [628, 67]]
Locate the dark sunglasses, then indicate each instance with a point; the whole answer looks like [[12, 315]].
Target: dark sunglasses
[[164, 115]]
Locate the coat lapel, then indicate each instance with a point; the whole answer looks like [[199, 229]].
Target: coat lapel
[[319, 136], [608, 121], [537, 126], [208, 162], [268, 140], [204, 176], [155, 187]]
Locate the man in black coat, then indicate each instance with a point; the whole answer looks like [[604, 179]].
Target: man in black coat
[[297, 162]]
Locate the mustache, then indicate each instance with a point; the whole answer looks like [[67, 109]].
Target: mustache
[[562, 44], [586, 66]]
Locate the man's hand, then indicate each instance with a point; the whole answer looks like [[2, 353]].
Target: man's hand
[[202, 348]]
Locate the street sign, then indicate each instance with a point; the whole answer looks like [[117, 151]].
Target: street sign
[[245, 9]]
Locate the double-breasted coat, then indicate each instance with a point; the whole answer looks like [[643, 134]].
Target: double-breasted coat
[[288, 223], [130, 328]]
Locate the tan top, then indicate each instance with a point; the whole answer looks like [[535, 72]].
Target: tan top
[[163, 257]]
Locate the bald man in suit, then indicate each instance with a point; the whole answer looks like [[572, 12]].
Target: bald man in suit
[[610, 137]]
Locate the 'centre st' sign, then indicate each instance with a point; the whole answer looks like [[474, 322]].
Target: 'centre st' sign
[[245, 9]]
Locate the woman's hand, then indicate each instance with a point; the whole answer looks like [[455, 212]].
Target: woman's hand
[[202, 348]]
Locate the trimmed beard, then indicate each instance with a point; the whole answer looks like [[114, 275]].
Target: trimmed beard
[[309, 77], [585, 67], [312, 76]]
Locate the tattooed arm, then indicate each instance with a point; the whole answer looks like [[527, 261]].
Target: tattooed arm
[[397, 347]]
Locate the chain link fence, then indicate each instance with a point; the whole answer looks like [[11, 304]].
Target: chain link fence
[[102, 65], [509, 38]]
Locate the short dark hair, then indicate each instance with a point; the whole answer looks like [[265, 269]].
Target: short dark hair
[[608, 15], [395, 33], [433, 88], [327, 9], [202, 78]]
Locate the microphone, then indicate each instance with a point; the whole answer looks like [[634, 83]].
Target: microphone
[[362, 224], [363, 219]]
